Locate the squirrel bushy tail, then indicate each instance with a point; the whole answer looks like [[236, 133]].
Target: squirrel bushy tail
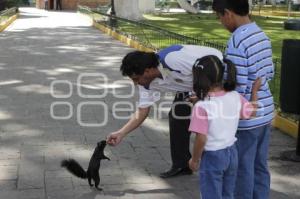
[[74, 167]]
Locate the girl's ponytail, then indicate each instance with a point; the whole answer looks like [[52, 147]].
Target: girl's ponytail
[[201, 83], [231, 81]]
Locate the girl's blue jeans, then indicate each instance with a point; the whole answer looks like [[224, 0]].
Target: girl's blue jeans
[[253, 178], [218, 170]]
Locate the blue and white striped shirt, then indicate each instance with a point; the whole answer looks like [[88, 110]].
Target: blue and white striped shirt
[[250, 50]]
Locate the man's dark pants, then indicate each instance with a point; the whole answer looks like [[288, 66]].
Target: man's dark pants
[[179, 135]]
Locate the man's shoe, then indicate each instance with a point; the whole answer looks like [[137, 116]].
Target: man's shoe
[[176, 172]]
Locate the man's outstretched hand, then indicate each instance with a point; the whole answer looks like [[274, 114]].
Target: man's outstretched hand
[[113, 139]]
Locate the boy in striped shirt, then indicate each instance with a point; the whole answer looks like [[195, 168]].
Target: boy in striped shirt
[[250, 50]]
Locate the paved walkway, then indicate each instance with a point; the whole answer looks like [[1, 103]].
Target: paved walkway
[[52, 100]]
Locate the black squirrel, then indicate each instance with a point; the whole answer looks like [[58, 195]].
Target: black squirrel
[[94, 165]]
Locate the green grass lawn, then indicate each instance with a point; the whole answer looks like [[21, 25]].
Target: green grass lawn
[[206, 26]]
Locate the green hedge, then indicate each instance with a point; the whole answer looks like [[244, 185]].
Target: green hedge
[[11, 3]]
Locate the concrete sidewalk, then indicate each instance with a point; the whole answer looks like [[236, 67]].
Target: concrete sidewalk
[[52, 100]]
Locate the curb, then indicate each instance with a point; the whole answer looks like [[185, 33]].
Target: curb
[[8, 22], [285, 125]]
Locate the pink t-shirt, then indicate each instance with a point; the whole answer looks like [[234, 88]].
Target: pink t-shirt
[[218, 116]]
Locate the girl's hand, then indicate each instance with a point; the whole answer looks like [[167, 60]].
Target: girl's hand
[[194, 165]]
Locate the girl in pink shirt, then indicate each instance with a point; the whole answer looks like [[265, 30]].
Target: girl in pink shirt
[[215, 120]]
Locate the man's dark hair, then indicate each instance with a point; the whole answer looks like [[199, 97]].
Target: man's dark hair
[[135, 63], [239, 7]]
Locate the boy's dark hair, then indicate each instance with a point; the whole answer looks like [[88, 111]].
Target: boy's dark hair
[[208, 72], [135, 63], [239, 7]]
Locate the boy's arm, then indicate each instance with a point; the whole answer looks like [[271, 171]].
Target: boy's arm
[[255, 87]]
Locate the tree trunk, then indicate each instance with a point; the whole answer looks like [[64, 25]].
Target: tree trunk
[[133, 9], [250, 3]]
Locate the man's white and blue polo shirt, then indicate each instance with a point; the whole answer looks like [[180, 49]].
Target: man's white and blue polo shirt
[[176, 64]]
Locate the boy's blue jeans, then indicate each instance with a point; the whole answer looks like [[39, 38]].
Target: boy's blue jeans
[[253, 179], [218, 170]]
